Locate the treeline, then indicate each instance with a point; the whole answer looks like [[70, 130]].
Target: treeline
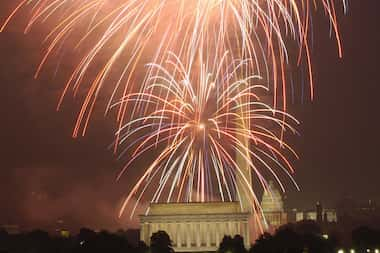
[[307, 237], [85, 242], [303, 237]]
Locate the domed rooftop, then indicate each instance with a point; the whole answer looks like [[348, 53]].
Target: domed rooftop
[[272, 199]]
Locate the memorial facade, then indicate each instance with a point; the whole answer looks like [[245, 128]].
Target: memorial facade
[[196, 227], [200, 227]]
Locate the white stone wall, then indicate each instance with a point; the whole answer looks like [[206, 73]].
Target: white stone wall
[[196, 233]]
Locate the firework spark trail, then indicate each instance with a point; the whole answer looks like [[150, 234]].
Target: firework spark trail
[[200, 99], [255, 29], [200, 130]]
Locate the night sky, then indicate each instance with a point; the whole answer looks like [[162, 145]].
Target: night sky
[[46, 175]]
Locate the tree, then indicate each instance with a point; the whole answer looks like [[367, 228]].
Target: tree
[[308, 227], [160, 243], [3, 240], [232, 245], [226, 244], [264, 244], [142, 247], [287, 240], [365, 237], [86, 234], [39, 241]]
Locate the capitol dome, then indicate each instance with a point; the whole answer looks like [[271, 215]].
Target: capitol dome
[[272, 200]]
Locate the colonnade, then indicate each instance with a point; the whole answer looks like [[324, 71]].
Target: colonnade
[[196, 235]]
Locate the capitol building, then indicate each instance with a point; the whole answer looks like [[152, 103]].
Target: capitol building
[[276, 215], [273, 208]]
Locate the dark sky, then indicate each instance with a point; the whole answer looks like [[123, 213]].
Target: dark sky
[[45, 174]]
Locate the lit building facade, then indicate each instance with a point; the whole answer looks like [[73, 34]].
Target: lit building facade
[[195, 227], [273, 208], [329, 216]]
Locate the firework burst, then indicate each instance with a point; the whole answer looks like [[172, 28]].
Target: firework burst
[[128, 30], [202, 100], [200, 119]]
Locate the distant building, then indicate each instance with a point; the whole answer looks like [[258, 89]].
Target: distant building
[[319, 215], [11, 229], [329, 215], [273, 208], [365, 212], [65, 233], [272, 204]]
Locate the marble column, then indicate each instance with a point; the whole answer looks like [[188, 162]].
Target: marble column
[[207, 230], [143, 232], [224, 230], [198, 233], [230, 228], [178, 234], [246, 234], [232, 232], [188, 235], [167, 229], [193, 234], [154, 228], [217, 233]]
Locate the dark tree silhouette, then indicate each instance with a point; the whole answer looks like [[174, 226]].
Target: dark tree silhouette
[[294, 238], [86, 241], [307, 227], [226, 244], [232, 245], [160, 243], [86, 234], [238, 242], [287, 240], [39, 241], [365, 237], [142, 247], [3, 236], [264, 244], [3, 240]]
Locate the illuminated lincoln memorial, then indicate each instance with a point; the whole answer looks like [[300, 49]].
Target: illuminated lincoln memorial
[[195, 227], [200, 227]]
